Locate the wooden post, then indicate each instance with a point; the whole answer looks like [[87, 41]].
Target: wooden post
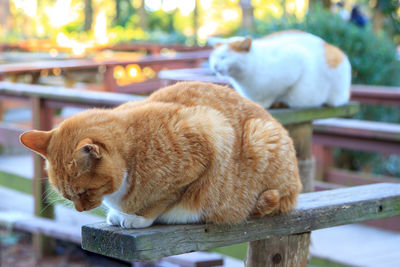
[[42, 120], [323, 160], [289, 250], [110, 83]]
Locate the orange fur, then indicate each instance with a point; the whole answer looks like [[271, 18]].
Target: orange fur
[[195, 145], [333, 55], [241, 46]]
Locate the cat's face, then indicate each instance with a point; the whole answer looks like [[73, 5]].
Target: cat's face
[[77, 169], [228, 59]]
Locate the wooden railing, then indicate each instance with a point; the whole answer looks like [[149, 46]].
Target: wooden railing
[[369, 136], [75, 68], [314, 211]]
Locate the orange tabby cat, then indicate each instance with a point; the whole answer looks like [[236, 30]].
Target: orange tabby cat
[[191, 152]]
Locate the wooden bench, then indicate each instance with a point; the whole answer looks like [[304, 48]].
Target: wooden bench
[[314, 211], [357, 135]]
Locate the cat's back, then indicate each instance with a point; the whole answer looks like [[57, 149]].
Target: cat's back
[[289, 38], [329, 56], [236, 108]]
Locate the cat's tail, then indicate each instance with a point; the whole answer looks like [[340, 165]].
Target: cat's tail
[[271, 159]]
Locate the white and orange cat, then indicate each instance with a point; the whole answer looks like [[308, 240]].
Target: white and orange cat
[[292, 67], [191, 152]]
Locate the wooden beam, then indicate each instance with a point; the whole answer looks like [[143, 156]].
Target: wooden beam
[[42, 120], [372, 94], [374, 130], [314, 211], [64, 95], [290, 116]]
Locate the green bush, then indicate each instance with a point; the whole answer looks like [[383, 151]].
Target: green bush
[[373, 58]]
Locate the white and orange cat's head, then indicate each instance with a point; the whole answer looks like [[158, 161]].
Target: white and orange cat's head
[[77, 167], [229, 55]]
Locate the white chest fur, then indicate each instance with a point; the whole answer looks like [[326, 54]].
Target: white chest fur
[[113, 200]]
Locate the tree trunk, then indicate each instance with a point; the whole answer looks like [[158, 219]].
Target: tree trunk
[[117, 18], [325, 3], [5, 16], [196, 20], [247, 17], [377, 20], [143, 19], [88, 15]]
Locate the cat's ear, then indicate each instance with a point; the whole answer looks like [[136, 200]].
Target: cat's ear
[[85, 154], [241, 45], [38, 141]]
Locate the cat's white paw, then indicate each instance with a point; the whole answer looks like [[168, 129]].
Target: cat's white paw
[[124, 220]]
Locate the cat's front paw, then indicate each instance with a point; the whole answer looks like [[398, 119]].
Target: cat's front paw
[[124, 220]]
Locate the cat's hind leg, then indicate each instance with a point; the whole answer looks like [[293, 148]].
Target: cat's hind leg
[[267, 203]]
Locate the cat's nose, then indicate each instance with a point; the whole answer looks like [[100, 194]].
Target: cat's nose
[[78, 205]]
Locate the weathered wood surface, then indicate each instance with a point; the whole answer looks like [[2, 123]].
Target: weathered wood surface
[[358, 135], [279, 251], [65, 95], [292, 115], [87, 98], [314, 211]]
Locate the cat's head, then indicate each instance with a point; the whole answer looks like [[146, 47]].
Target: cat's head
[[229, 56], [79, 167]]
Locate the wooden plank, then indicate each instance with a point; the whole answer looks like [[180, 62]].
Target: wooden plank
[[37, 225], [315, 210], [290, 116], [355, 143], [196, 259], [351, 178], [82, 64], [372, 94], [358, 128], [65, 95]]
